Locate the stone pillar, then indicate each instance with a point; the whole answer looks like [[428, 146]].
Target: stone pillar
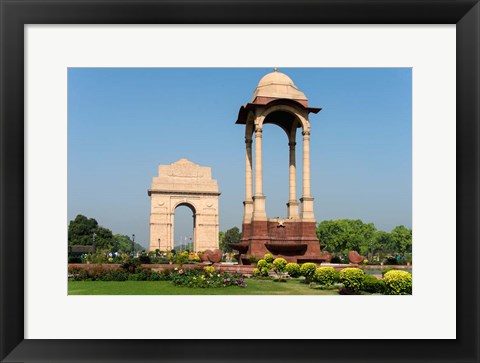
[[307, 200], [248, 203], [259, 199], [292, 205]]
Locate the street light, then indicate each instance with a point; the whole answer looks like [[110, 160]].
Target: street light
[[93, 242], [133, 245], [371, 248]]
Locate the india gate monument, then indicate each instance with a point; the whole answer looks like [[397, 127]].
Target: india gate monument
[[277, 100], [184, 183]]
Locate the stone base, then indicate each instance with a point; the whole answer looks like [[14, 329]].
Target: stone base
[[293, 240]]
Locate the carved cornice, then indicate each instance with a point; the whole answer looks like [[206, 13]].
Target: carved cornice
[[176, 193]]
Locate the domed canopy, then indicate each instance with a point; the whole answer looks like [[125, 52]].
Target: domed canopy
[[277, 85], [276, 89]]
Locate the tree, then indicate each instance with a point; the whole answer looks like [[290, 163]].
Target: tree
[[232, 235], [123, 244], [343, 235], [221, 236], [381, 242], [401, 239], [83, 230]]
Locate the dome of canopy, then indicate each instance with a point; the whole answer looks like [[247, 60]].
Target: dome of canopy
[[277, 85]]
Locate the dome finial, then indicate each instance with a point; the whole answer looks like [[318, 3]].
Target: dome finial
[[275, 69]]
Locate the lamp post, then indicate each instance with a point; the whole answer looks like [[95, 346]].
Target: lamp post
[[93, 242], [133, 245], [371, 248]]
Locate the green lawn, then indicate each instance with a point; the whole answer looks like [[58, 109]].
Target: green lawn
[[255, 287]]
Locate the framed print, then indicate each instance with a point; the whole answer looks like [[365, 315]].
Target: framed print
[[406, 73]]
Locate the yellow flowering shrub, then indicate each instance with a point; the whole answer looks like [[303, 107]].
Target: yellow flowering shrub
[[293, 269], [308, 270], [209, 270], [261, 264], [265, 270], [326, 275], [352, 277], [264, 267], [268, 257], [398, 282], [279, 264]]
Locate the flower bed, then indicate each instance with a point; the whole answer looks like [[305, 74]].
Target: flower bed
[[187, 276]]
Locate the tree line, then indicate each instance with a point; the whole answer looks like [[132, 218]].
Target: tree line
[[342, 235], [86, 232], [336, 236]]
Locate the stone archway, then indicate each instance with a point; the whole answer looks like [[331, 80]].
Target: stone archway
[[184, 183]]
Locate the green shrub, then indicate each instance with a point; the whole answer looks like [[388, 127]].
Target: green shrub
[[373, 285], [261, 263], [134, 277], [326, 276], [181, 258], [352, 278], [265, 270], [130, 264], [144, 258], [279, 264], [398, 282], [264, 267], [256, 272], [268, 257], [209, 270], [159, 260], [115, 275], [74, 259], [293, 269], [308, 270], [154, 276]]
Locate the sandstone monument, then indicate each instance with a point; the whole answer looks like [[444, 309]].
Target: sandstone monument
[[277, 100], [189, 184]]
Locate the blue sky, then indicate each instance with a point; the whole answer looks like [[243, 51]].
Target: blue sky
[[123, 122]]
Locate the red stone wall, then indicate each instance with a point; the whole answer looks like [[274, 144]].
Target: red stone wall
[[259, 233]]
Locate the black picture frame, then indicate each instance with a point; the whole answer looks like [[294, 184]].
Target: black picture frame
[[15, 14]]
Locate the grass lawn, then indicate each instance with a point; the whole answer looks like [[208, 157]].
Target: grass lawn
[[255, 287]]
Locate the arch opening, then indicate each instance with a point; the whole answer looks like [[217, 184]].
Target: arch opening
[[284, 119], [275, 170], [184, 227]]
